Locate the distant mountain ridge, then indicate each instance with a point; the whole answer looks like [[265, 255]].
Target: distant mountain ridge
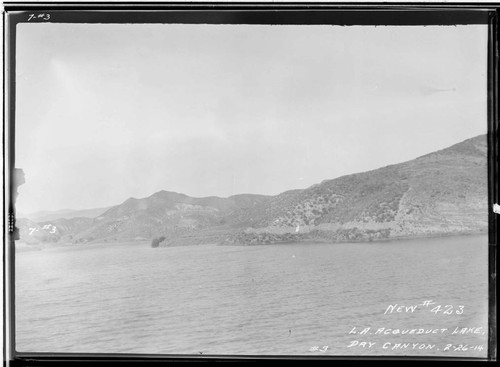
[[64, 213], [440, 193]]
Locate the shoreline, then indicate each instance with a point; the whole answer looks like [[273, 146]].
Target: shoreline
[[24, 247], [376, 240]]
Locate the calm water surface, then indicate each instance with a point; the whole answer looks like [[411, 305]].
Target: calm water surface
[[282, 299]]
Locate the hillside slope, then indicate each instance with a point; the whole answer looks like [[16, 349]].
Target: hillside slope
[[164, 212], [444, 192], [441, 193]]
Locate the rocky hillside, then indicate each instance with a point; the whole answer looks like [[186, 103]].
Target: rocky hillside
[[163, 213], [441, 193], [444, 192]]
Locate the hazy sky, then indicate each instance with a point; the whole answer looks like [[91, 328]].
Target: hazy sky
[[107, 112]]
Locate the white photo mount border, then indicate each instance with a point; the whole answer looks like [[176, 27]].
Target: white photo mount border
[[234, 13]]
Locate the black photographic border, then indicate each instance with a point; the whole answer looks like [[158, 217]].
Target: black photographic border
[[345, 14]]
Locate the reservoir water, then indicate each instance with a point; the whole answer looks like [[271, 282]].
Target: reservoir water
[[287, 299]]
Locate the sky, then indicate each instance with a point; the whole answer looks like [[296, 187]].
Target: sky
[[105, 112]]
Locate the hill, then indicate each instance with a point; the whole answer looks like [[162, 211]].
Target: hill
[[141, 219], [441, 193]]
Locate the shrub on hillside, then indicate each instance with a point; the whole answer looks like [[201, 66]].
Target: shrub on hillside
[[155, 242]]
